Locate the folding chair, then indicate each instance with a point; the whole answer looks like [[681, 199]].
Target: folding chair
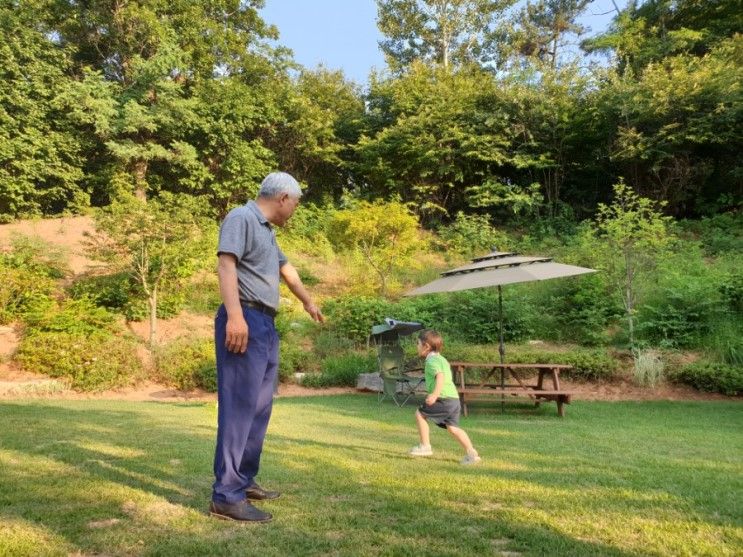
[[397, 382]]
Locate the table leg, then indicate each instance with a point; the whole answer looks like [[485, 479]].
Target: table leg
[[503, 390], [556, 378]]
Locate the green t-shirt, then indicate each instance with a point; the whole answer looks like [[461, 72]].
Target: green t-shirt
[[435, 364]]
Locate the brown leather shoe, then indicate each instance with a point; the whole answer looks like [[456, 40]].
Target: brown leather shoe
[[242, 511], [257, 493]]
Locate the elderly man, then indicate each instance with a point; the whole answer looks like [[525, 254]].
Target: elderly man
[[247, 346]]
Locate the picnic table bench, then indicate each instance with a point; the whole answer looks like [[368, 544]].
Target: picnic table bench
[[538, 392]]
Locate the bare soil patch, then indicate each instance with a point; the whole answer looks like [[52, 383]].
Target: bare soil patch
[[68, 233]]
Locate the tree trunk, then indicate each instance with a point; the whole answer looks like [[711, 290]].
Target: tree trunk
[[628, 295], [140, 182], [152, 303]]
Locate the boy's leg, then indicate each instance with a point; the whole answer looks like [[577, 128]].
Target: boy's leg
[[461, 436], [423, 430]]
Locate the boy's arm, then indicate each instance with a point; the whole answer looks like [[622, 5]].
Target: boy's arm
[[430, 399]]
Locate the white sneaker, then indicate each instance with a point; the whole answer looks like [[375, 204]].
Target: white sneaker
[[470, 459], [421, 450]]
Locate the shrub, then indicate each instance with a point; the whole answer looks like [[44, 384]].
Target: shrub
[[90, 362], [713, 377], [120, 293], [109, 291], [187, 364], [28, 273], [306, 232], [679, 319], [73, 317], [352, 317], [718, 234], [472, 235], [36, 256], [724, 343], [328, 343], [295, 359], [19, 290], [576, 310], [343, 370]]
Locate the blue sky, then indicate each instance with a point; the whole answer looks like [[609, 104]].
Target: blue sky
[[343, 34]]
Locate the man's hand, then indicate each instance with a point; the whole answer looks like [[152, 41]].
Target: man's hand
[[237, 334], [430, 399], [314, 312]]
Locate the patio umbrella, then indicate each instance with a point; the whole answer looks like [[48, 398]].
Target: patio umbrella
[[497, 269]]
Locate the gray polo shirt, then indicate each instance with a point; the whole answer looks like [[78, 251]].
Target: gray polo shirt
[[247, 235]]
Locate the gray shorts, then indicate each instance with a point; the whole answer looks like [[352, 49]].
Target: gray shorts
[[443, 412]]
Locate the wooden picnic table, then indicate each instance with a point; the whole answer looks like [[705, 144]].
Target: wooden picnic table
[[487, 388]]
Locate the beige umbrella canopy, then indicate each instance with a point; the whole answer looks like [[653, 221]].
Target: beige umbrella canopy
[[497, 269]]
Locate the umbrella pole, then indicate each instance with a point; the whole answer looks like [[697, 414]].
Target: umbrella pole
[[501, 346], [501, 350]]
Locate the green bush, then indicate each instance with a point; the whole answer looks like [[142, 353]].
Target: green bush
[[21, 289], [28, 274], [295, 359], [470, 316], [352, 317], [306, 232], [167, 306], [188, 364], [72, 317], [36, 256], [576, 310], [90, 362], [328, 343], [342, 371], [472, 235], [109, 291], [718, 234], [120, 293], [712, 377]]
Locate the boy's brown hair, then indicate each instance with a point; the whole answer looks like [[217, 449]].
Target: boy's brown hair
[[432, 338]]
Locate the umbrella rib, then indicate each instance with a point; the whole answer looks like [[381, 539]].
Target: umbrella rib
[[496, 266]]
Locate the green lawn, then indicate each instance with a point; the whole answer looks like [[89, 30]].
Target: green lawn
[[122, 478]]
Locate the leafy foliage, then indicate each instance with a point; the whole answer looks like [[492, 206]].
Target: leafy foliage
[[342, 371], [714, 377], [187, 364], [159, 243], [385, 234]]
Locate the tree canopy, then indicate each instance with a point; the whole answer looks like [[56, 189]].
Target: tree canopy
[[485, 109]]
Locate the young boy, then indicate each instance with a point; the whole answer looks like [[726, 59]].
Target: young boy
[[442, 403]]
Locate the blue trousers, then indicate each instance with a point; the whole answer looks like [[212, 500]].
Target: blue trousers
[[245, 384]]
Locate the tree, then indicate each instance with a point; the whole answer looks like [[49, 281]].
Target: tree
[[322, 115], [159, 242], [542, 28], [443, 32], [678, 127], [40, 154], [444, 141], [186, 89], [659, 29], [385, 234], [635, 232], [224, 37]]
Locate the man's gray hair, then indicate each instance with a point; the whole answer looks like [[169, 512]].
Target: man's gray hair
[[277, 183]]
